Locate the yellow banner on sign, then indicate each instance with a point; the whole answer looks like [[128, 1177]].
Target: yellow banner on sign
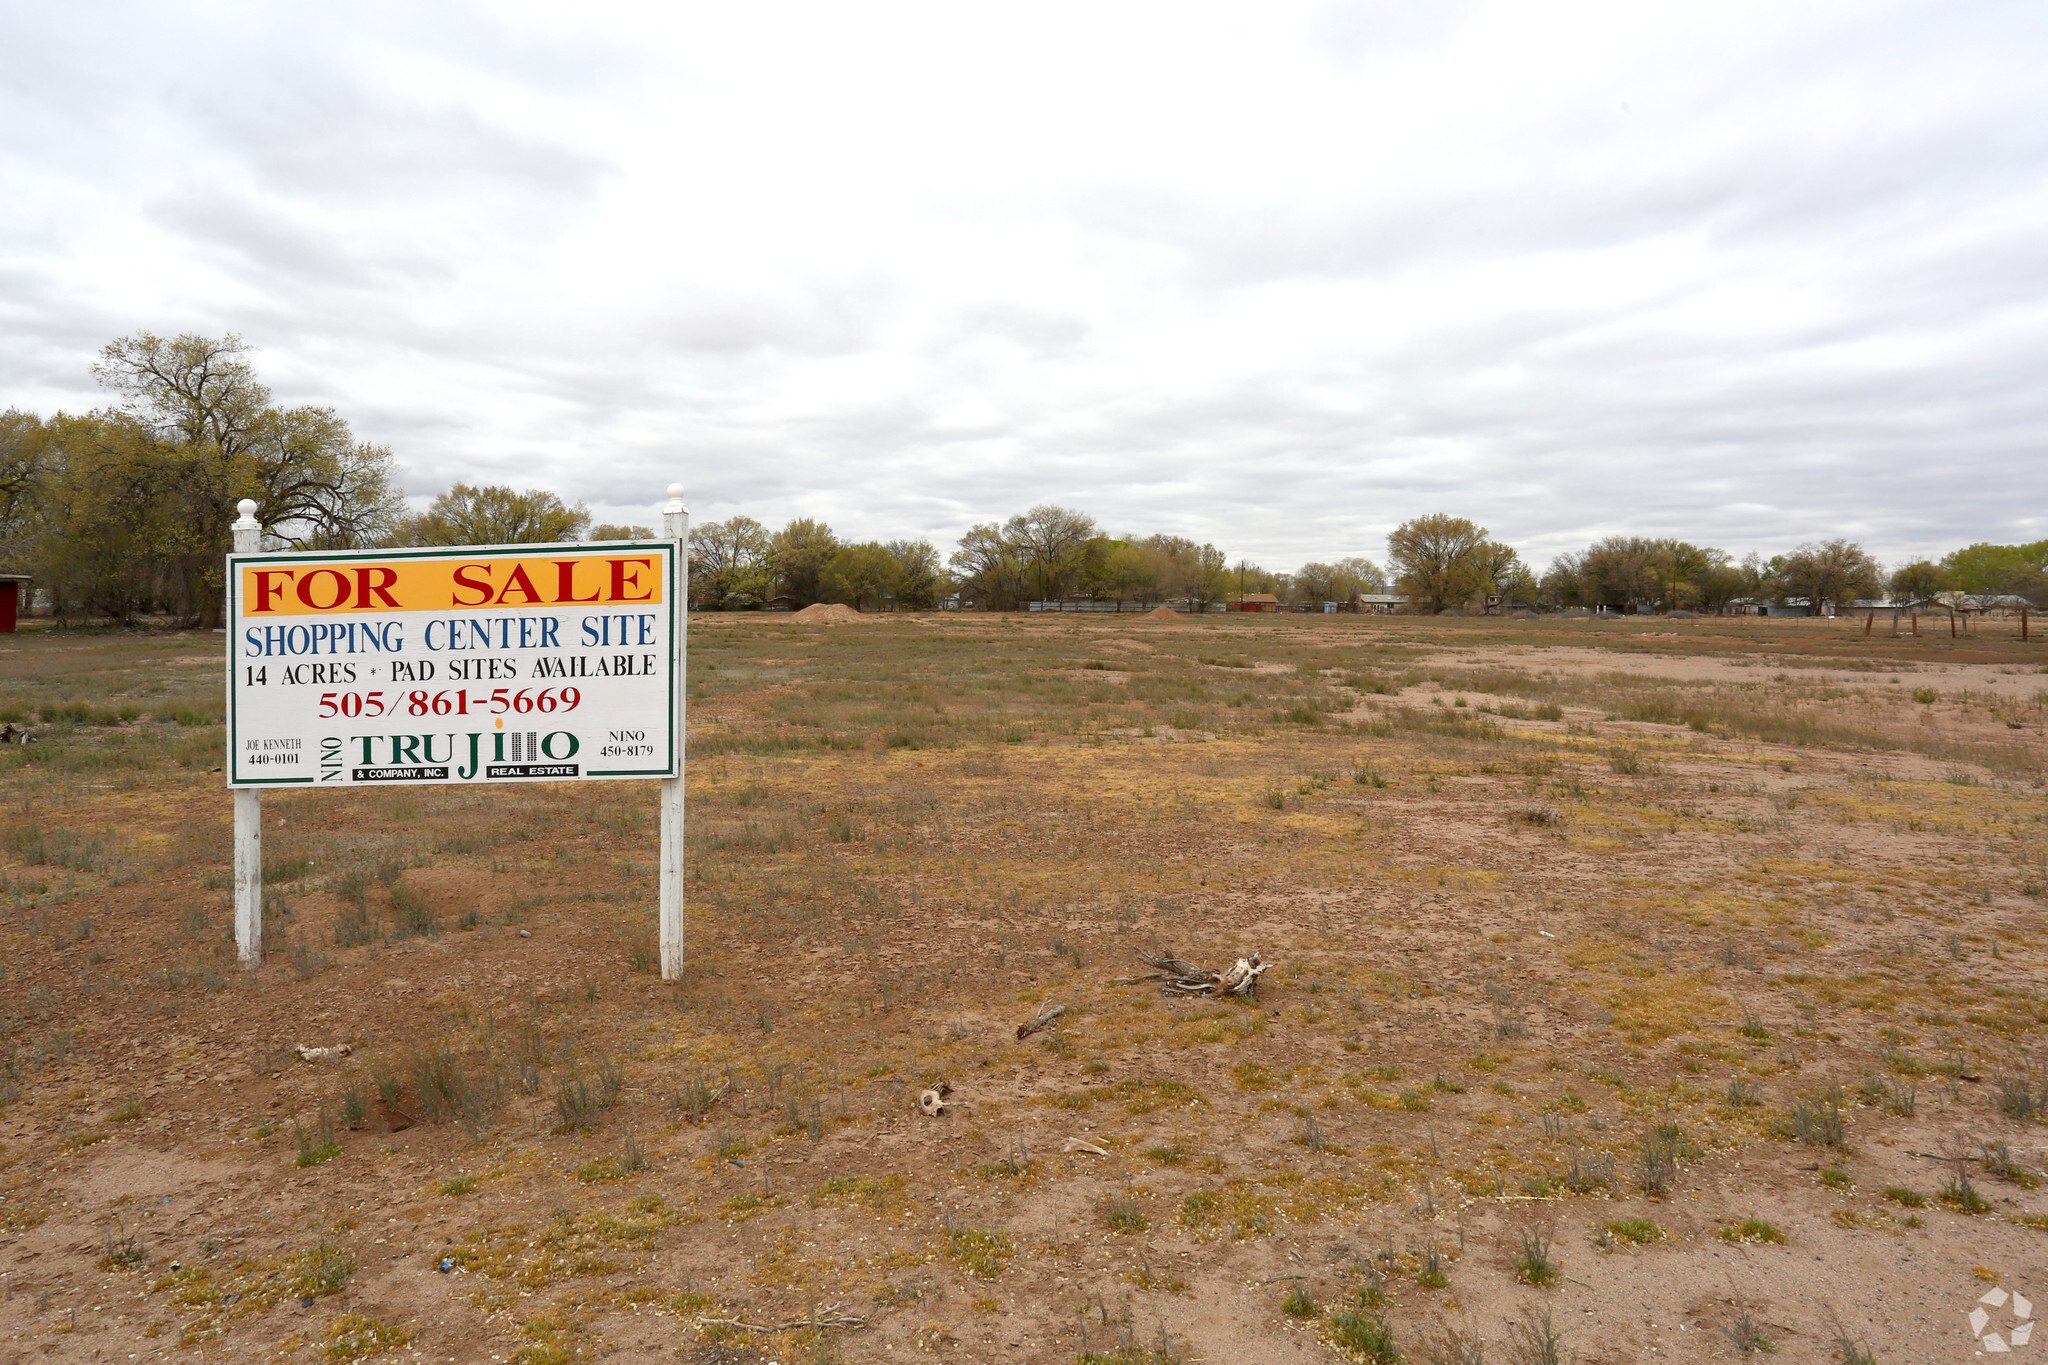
[[450, 583]]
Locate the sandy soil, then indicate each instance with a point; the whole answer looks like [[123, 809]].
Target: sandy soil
[[1510, 949]]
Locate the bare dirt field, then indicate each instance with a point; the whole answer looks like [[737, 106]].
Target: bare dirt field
[[1643, 990]]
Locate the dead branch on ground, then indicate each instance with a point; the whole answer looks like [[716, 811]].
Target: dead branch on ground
[[1045, 1017], [1179, 977], [831, 1317]]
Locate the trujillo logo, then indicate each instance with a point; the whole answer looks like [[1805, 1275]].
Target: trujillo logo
[[449, 584], [512, 753]]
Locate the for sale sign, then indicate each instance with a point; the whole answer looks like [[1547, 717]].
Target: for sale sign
[[478, 664]]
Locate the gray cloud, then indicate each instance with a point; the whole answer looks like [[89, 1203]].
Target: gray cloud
[[1752, 276]]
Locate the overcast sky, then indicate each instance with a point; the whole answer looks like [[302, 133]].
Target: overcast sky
[[1278, 276]]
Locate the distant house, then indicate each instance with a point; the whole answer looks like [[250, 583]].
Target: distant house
[[1253, 601], [1381, 603], [1994, 601], [784, 602]]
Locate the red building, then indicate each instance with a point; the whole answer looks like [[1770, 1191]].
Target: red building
[[13, 588]]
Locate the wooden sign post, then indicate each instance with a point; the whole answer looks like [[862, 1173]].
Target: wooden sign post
[[457, 665]]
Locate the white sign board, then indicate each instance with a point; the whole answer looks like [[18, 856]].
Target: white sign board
[[489, 663]]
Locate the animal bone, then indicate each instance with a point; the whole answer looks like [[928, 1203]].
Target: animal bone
[[322, 1054], [933, 1101]]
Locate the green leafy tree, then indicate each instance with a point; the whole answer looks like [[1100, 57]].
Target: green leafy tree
[[989, 569], [156, 480], [1986, 569], [1722, 584], [1339, 582], [1051, 545], [1919, 581], [1124, 573], [314, 484], [1201, 577], [1518, 586], [730, 566], [24, 459], [1444, 561], [494, 514], [1166, 558], [1832, 571], [1641, 571], [920, 579], [1564, 583], [1362, 574], [613, 531], [110, 537], [799, 553], [859, 575]]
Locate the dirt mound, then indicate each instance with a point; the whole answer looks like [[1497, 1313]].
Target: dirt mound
[[827, 614], [1161, 614]]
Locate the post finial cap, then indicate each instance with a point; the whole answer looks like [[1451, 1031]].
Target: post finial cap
[[675, 492], [247, 507]]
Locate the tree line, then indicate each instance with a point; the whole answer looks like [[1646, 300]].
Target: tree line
[[123, 512]]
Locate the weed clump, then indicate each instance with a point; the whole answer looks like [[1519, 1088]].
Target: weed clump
[[1636, 1231], [411, 915], [1432, 1275], [1169, 1154], [1959, 1194], [125, 1248], [1818, 1122], [1663, 1147], [1534, 1266], [1122, 1215], [1746, 1334], [578, 1102], [1999, 1162], [1583, 1175], [1534, 1340], [321, 1144], [981, 1254], [2015, 1099], [1366, 1337], [1752, 1230], [449, 1092], [356, 1337]]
